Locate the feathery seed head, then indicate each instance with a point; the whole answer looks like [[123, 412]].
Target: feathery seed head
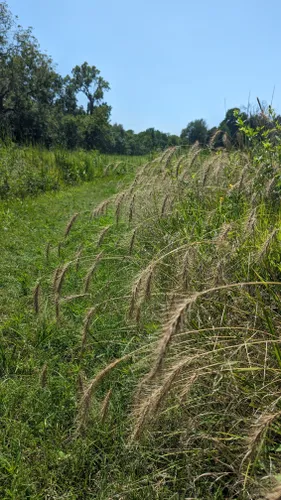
[[70, 224]]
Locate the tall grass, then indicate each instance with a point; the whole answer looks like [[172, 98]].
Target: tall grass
[[32, 170], [171, 324]]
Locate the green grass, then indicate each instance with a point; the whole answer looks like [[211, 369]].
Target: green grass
[[32, 170], [32, 415], [193, 408]]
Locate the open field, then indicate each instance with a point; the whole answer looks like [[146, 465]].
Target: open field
[[140, 334]]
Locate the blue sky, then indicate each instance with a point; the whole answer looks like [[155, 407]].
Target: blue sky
[[168, 62]]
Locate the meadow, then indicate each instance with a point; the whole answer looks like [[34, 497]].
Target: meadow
[[140, 326], [28, 171]]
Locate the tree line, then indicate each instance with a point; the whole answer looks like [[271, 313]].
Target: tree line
[[39, 106]]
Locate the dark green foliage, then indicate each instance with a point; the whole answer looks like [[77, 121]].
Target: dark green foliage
[[195, 131], [87, 79], [39, 106], [31, 171]]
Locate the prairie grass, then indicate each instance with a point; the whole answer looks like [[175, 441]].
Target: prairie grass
[[161, 378], [26, 171]]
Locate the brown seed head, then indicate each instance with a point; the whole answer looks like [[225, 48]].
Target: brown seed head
[[105, 406], [36, 294], [91, 271], [70, 224]]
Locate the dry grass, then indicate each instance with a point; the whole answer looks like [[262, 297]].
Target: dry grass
[[101, 208], [131, 209], [201, 284], [151, 404], [172, 327], [132, 241], [86, 400], [81, 379], [78, 258], [164, 205], [224, 231], [56, 277], [275, 494], [44, 376], [214, 137], [105, 406], [251, 221], [118, 206], [36, 297], [57, 306], [177, 377], [70, 298], [179, 164], [91, 272], [70, 224], [59, 278], [102, 235], [226, 141], [267, 244], [257, 433], [87, 322]]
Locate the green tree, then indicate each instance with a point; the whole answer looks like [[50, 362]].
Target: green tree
[[66, 102], [6, 23], [71, 132], [87, 79], [96, 129], [118, 133], [173, 140], [38, 105], [230, 126], [28, 82], [196, 130]]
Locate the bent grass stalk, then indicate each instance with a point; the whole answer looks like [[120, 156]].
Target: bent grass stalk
[[81, 379], [131, 209], [173, 325], [102, 235], [91, 272], [78, 258], [59, 277], [131, 246], [150, 404], [87, 322], [101, 208], [257, 432], [118, 206], [164, 205], [70, 224], [85, 404], [36, 297], [70, 298], [105, 406]]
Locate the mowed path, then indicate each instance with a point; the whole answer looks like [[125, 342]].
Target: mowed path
[[41, 355], [27, 226]]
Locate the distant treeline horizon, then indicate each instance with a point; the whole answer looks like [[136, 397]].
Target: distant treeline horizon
[[41, 107]]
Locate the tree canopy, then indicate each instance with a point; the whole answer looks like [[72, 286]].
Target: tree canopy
[[196, 130]]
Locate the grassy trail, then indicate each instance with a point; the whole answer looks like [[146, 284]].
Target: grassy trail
[[27, 226], [36, 419]]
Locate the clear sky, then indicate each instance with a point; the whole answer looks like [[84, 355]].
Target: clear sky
[[167, 61]]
